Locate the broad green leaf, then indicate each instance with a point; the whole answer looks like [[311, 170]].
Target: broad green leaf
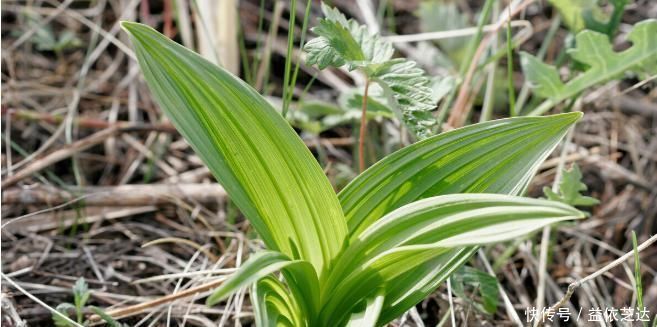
[[273, 305], [412, 287], [344, 42], [252, 151], [409, 236], [370, 315], [483, 283], [570, 189], [300, 276], [593, 50], [499, 156]]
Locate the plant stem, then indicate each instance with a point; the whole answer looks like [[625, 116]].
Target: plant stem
[[363, 129], [509, 64], [287, 88]]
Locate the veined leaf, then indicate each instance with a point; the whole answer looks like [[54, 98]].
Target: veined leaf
[[273, 305], [594, 50], [408, 289], [262, 264], [344, 42], [409, 236], [444, 164], [370, 315], [299, 276], [257, 157], [499, 156]]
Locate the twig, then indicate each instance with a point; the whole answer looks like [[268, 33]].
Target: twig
[[441, 35], [122, 195], [59, 155], [263, 69], [84, 122], [138, 308], [459, 112], [573, 286], [193, 244]]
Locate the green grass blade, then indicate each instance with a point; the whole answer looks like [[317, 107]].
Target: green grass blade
[[258, 158], [499, 156], [287, 88], [637, 275]]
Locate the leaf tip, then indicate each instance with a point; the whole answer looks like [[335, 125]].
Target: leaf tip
[[128, 26], [571, 117]]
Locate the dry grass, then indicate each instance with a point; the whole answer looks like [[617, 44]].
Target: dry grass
[[92, 171]]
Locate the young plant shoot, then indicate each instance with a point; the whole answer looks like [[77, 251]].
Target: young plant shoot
[[398, 230]]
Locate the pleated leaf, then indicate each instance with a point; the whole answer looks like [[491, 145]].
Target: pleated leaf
[[413, 234], [264, 263], [499, 156], [273, 305], [264, 166], [494, 157], [370, 314]]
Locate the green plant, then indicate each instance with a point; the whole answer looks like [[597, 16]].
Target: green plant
[[343, 42], [386, 241], [638, 285], [570, 188], [45, 38], [81, 295], [595, 51], [483, 283]]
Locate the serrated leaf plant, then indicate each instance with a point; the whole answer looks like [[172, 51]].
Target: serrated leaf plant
[[368, 254], [594, 50], [570, 188], [342, 42]]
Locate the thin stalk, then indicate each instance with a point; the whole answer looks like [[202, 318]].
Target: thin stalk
[[293, 81], [287, 88], [363, 129], [509, 64], [474, 42], [637, 275], [489, 96], [256, 59], [246, 69]]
